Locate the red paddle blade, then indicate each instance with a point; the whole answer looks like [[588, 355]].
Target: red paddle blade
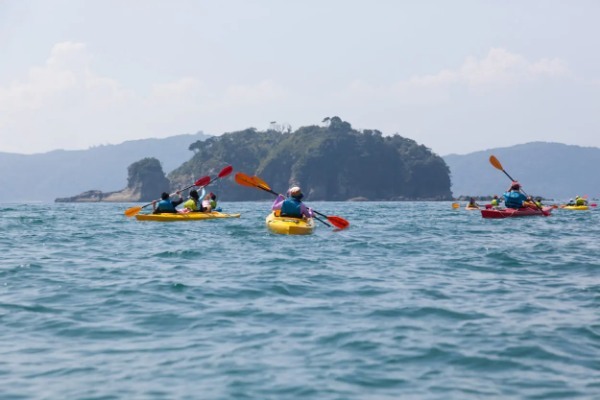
[[338, 222], [244, 180], [225, 171], [205, 180]]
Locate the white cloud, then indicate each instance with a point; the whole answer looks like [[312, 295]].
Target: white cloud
[[499, 67], [64, 103]]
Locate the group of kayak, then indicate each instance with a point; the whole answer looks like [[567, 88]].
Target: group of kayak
[[518, 204], [289, 215]]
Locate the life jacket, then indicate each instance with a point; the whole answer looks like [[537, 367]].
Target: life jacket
[[580, 201], [514, 199], [494, 202], [165, 206], [191, 204], [291, 208]]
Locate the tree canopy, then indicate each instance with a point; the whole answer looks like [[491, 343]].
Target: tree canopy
[[331, 162]]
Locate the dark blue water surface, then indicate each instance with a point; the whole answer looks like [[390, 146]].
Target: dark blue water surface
[[414, 300]]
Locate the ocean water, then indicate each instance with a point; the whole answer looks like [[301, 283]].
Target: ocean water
[[414, 300]]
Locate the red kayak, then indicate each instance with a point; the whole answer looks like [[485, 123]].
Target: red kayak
[[515, 212]]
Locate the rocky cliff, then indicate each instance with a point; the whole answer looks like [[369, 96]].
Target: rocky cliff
[[146, 181]]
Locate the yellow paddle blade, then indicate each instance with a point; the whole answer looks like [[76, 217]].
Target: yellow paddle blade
[[455, 205], [244, 180], [259, 182], [494, 161], [130, 212]]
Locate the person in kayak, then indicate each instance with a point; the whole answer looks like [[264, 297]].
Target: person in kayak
[[166, 205], [538, 202], [513, 198], [209, 203], [193, 203], [571, 202], [495, 201], [580, 201], [292, 206], [472, 203]]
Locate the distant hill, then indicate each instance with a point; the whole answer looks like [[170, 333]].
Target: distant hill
[[332, 162], [551, 170], [60, 173]]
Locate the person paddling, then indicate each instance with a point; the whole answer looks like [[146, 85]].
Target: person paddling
[[166, 205], [193, 203], [495, 201], [292, 206], [472, 203], [513, 198]]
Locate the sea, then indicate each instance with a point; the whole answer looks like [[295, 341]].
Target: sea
[[415, 300]]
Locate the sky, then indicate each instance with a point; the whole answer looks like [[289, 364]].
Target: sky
[[456, 76]]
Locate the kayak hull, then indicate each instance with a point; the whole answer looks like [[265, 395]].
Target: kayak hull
[[191, 216], [580, 208], [471, 208], [512, 212], [290, 226]]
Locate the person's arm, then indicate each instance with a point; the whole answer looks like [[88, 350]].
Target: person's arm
[[306, 211], [277, 203]]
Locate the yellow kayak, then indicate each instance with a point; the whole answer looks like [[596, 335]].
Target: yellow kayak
[[289, 225], [576, 207], [471, 208], [191, 216]]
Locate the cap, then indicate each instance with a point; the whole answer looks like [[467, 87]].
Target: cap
[[295, 191]]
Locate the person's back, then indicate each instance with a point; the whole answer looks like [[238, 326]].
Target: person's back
[[495, 201], [166, 205], [192, 203], [292, 206], [514, 198]]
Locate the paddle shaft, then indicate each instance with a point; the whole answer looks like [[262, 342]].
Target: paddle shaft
[[536, 204]]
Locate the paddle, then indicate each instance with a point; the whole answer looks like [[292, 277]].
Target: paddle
[[130, 212], [494, 161], [257, 182]]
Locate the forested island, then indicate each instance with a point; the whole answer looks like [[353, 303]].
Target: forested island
[[332, 162]]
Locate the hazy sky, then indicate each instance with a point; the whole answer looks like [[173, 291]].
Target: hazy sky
[[456, 76]]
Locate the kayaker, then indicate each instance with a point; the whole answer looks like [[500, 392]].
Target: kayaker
[[166, 205], [472, 203], [580, 201], [571, 202], [495, 201], [513, 198], [209, 203], [193, 203], [292, 206], [538, 202]]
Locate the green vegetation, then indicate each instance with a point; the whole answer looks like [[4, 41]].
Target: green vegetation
[[332, 162]]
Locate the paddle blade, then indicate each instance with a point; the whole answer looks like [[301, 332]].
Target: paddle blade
[[130, 212], [494, 161], [338, 222], [244, 180], [455, 205], [205, 180], [260, 183], [225, 171]]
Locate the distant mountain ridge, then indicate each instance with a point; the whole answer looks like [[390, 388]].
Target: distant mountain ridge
[[551, 170], [60, 173]]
